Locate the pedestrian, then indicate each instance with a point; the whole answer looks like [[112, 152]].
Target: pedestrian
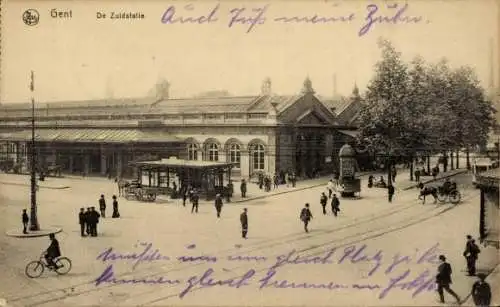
[[417, 175], [243, 188], [218, 204], [370, 181], [294, 180], [261, 180], [102, 206], [82, 220], [185, 193], [94, 220], [88, 219], [323, 201], [390, 191], [194, 200], [244, 223], [276, 181], [329, 187], [25, 219], [116, 213], [471, 252], [306, 216], [481, 292], [335, 205], [443, 279]]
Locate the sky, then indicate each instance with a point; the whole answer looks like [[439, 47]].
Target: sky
[[83, 57]]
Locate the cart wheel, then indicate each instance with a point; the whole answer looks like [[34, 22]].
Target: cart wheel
[[151, 196], [455, 197], [441, 197]]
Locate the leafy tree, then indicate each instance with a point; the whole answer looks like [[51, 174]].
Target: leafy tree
[[382, 116]]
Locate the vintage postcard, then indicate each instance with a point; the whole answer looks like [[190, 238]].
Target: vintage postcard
[[249, 153]]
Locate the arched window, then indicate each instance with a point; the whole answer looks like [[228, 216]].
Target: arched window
[[235, 154], [258, 157], [192, 151], [213, 152]]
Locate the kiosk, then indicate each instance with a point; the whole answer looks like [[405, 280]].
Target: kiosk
[[349, 184]]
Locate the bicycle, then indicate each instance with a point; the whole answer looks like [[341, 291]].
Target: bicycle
[[35, 268]]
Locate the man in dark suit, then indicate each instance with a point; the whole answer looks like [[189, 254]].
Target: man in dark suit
[[471, 252], [195, 198], [481, 292], [335, 205], [94, 220], [88, 218], [53, 251], [443, 279], [25, 220], [218, 204], [82, 220], [306, 216], [244, 223], [102, 206]]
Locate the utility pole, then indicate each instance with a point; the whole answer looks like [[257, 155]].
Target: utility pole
[[34, 218]]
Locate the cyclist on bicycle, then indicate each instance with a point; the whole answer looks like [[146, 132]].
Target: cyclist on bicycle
[[52, 251]]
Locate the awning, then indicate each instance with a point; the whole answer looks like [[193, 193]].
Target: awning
[[174, 162], [91, 136], [351, 133]]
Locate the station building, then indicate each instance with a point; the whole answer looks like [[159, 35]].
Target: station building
[[266, 133]]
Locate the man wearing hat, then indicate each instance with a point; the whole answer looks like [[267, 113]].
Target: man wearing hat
[[443, 279], [306, 216], [471, 252], [218, 204], [82, 221], [102, 206], [481, 291], [244, 223]]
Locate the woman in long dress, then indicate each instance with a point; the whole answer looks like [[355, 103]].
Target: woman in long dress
[[116, 214]]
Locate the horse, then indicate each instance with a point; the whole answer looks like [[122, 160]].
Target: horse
[[424, 191], [122, 184]]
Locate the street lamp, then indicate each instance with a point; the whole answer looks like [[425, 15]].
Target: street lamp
[[33, 219]]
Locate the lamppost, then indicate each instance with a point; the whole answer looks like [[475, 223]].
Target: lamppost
[[33, 219]]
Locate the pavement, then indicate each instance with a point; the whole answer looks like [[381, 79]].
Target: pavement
[[403, 227], [254, 193]]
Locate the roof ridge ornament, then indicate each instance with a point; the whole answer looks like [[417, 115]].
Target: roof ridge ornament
[[307, 89]]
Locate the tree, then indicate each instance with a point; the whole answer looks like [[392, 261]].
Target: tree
[[383, 114]]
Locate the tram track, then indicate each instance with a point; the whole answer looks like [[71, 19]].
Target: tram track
[[72, 291], [356, 238]]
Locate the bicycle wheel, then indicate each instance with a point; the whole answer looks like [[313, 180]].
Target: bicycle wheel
[[34, 269], [455, 197], [63, 265]]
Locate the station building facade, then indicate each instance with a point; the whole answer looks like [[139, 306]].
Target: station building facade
[[263, 133]]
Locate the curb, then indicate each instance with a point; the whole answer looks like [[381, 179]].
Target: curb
[[437, 179], [42, 187], [41, 233], [321, 184]]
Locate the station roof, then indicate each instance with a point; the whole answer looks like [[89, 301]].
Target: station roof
[[181, 163], [92, 135]]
